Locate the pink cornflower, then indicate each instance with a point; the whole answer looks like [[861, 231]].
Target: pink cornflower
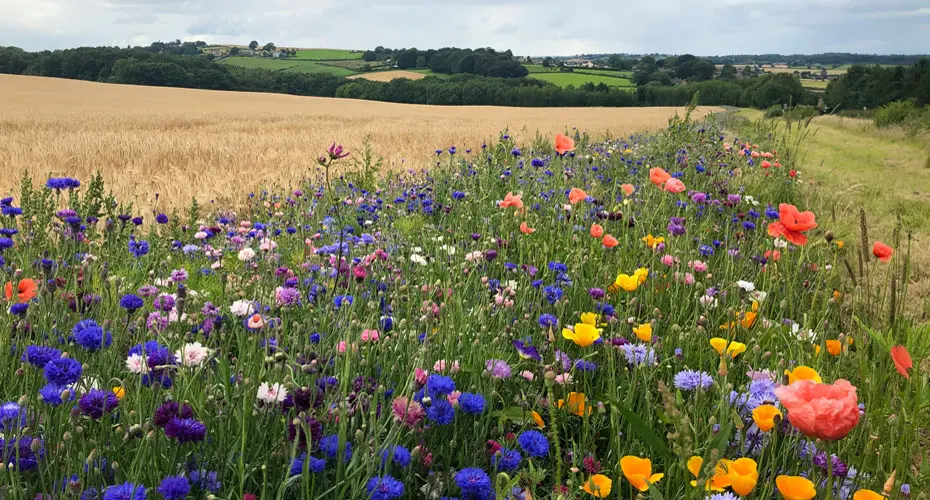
[[668, 260], [453, 397], [698, 266], [419, 375], [407, 412], [370, 335]]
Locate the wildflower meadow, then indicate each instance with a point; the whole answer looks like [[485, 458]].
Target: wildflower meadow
[[648, 317]]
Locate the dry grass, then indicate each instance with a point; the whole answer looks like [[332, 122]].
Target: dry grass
[[386, 76], [216, 146]]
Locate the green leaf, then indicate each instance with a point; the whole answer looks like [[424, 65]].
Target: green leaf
[[654, 492], [877, 337], [656, 444]]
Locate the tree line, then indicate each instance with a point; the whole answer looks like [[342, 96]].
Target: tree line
[[452, 61], [826, 59], [138, 66], [873, 86]]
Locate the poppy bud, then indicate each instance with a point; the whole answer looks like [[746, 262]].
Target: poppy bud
[[829, 236]]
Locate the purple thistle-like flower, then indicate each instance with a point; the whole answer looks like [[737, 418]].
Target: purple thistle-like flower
[[689, 380], [185, 430], [95, 403], [498, 368]]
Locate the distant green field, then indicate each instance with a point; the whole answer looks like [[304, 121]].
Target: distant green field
[[327, 54], [604, 72], [563, 79], [286, 65]]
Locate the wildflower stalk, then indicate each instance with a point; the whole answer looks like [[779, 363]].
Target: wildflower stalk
[[550, 381]]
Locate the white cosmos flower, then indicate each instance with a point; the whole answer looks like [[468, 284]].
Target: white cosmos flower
[[780, 243], [708, 301], [194, 354], [274, 393], [418, 259]]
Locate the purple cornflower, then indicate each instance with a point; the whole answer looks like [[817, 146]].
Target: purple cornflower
[[185, 430], [498, 368], [178, 275], [164, 302], [676, 226], [596, 293], [689, 380], [547, 320], [95, 403], [286, 297]]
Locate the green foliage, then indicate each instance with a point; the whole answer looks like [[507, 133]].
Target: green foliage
[[774, 111], [874, 86], [895, 113]]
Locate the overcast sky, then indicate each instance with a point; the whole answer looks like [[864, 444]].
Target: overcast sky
[[702, 27]]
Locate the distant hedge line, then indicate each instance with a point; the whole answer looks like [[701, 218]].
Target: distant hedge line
[[139, 67]]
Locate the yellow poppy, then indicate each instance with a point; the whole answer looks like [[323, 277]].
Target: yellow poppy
[[584, 334], [589, 318], [652, 241], [626, 282], [638, 471], [733, 349], [803, 373], [120, 392], [644, 332], [576, 403], [539, 420], [642, 273], [795, 487], [717, 482], [743, 474], [598, 485], [766, 416]]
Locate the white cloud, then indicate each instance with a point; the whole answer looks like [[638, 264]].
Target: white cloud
[[545, 27]]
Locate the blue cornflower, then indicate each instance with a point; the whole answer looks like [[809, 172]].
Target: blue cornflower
[[689, 380], [585, 365], [138, 248], [706, 250], [161, 219], [401, 456], [723, 496], [5, 243], [553, 293], [21, 454], [471, 403], [89, 335], [60, 183], [439, 385], [533, 443], [51, 393], [341, 300], [330, 446], [96, 402], [125, 491], [131, 302], [19, 309], [206, 481], [474, 483], [441, 412], [63, 371], [12, 416], [39, 355], [185, 430], [384, 488], [316, 464], [506, 460], [174, 488], [547, 320]]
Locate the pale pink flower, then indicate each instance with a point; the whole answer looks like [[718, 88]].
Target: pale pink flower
[[689, 279], [271, 394], [370, 335], [194, 354], [408, 412], [528, 375], [668, 260], [137, 364], [267, 244], [341, 347], [698, 266], [453, 397], [442, 365], [563, 378], [256, 321], [419, 375], [200, 235]]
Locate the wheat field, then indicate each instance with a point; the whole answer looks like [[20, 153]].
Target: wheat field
[[217, 146]]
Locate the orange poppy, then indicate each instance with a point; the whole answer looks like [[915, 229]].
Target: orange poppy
[[26, 290], [867, 495], [575, 404], [902, 360], [674, 185], [563, 144], [525, 229], [511, 200], [882, 251], [834, 347], [537, 418], [658, 176], [628, 189], [792, 224], [638, 471], [609, 241], [598, 486], [795, 487], [597, 230], [576, 195]]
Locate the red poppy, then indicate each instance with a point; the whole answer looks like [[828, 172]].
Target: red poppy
[[609, 241], [597, 230], [576, 195], [792, 224], [902, 360], [526, 229], [26, 290], [674, 185], [563, 144], [882, 251], [658, 176]]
